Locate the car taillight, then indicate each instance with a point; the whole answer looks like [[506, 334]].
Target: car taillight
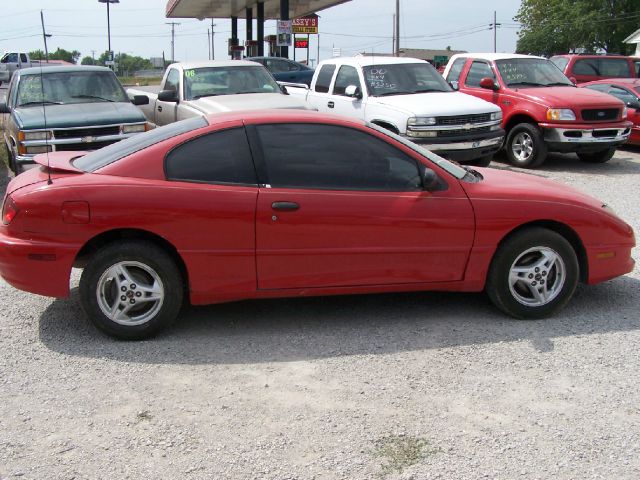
[[9, 210]]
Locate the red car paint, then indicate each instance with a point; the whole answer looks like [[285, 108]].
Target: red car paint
[[632, 88], [233, 246]]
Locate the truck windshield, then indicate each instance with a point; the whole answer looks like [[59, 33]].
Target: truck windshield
[[531, 72], [403, 79], [69, 87], [212, 81]]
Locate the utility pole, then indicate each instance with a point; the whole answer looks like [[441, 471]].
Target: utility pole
[[209, 42], [44, 36], [393, 40], [494, 26], [173, 34], [397, 52], [93, 56], [213, 55]]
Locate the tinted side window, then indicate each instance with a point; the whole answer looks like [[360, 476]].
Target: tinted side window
[[477, 72], [347, 75], [219, 157], [614, 67], [586, 66], [623, 94], [599, 87], [335, 158], [173, 80], [23, 58], [324, 78], [456, 69]]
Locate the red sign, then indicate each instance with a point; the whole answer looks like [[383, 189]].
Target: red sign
[[302, 43]]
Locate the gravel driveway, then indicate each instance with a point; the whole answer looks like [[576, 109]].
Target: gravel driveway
[[411, 386]]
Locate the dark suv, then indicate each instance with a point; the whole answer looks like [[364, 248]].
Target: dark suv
[[587, 68]]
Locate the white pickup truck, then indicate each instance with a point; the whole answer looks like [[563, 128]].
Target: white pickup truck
[[12, 61], [195, 89], [409, 97]]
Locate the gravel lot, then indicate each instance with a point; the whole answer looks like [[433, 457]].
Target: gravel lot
[[411, 386]]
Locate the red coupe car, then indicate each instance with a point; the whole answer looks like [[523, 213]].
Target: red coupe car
[[627, 90], [279, 204]]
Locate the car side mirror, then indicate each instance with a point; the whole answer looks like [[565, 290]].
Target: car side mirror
[[454, 84], [353, 91], [4, 108], [635, 104], [284, 90], [140, 100], [489, 84], [168, 96], [573, 80]]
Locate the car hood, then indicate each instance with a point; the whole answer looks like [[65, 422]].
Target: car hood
[[514, 186], [437, 104], [78, 115], [247, 101], [569, 96]]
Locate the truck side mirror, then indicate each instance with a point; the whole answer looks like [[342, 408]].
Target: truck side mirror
[[454, 84], [4, 108], [489, 84], [168, 96], [140, 100], [353, 91]]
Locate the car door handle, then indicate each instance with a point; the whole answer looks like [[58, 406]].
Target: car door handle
[[159, 108], [285, 206], [330, 104]]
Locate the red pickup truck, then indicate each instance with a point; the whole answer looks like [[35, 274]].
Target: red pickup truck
[[542, 110]]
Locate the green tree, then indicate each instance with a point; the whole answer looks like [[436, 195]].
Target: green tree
[[559, 26], [88, 61], [59, 54]]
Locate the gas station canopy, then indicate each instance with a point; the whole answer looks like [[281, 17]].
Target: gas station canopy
[[237, 8]]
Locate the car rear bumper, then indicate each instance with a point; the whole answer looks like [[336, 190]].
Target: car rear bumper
[[36, 267], [585, 138]]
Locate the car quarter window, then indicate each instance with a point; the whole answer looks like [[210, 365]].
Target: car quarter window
[[219, 157], [623, 94], [334, 158], [477, 72], [456, 69], [173, 80], [586, 66], [614, 67], [324, 78], [347, 75]]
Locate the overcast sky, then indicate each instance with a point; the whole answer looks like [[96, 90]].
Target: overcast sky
[[138, 27]]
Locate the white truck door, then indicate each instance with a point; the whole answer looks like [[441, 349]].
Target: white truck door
[[166, 111], [319, 96], [349, 106]]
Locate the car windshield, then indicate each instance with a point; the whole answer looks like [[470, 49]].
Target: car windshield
[[69, 87], [531, 72], [403, 79], [233, 80], [114, 152]]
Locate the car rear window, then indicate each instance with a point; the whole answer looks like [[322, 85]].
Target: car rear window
[[112, 153]]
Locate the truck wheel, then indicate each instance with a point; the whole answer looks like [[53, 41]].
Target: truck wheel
[[525, 146], [533, 274], [131, 290], [597, 157], [11, 161]]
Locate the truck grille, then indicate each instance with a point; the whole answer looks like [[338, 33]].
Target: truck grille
[[600, 114], [463, 119], [79, 147], [461, 132], [86, 132]]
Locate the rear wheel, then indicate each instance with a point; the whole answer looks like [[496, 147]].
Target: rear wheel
[[525, 146], [131, 290], [533, 274], [601, 156]]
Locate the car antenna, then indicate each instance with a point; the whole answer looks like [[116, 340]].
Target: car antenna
[[46, 134]]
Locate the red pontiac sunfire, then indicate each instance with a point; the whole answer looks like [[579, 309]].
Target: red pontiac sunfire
[[286, 203]]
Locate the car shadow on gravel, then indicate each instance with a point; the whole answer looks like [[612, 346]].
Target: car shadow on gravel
[[622, 163], [283, 330]]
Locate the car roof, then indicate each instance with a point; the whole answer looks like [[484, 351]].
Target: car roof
[[63, 68], [369, 60], [280, 116], [214, 63], [582, 55], [493, 56], [631, 82]]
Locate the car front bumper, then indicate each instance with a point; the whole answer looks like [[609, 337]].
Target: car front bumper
[[464, 148], [585, 138]]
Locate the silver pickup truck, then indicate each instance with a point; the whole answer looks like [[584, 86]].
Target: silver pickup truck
[[195, 89]]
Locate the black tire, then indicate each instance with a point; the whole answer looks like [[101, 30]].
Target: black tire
[[597, 157], [144, 271], [482, 161], [520, 254], [525, 146]]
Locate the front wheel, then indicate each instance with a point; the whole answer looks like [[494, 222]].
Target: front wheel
[[601, 156], [525, 146], [131, 290], [533, 274]]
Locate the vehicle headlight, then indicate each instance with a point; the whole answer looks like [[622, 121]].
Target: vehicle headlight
[[41, 135], [496, 115], [421, 121], [141, 127], [560, 114], [625, 110]]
